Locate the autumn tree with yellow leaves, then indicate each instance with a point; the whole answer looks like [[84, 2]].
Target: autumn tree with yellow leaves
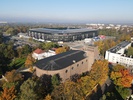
[[122, 78], [60, 50], [8, 94], [13, 76], [29, 61], [80, 89], [48, 97], [105, 45]]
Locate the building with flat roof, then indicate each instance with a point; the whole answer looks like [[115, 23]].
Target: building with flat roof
[[68, 63], [117, 54], [40, 54], [64, 35]]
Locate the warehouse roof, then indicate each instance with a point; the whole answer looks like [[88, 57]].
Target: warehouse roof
[[61, 61]]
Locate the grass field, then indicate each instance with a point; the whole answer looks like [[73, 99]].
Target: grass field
[[17, 63]]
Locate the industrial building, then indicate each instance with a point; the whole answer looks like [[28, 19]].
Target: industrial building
[[68, 63], [65, 35]]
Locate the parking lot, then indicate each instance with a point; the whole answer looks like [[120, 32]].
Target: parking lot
[[18, 42]]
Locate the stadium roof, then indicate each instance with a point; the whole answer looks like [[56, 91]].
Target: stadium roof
[[61, 30], [61, 61]]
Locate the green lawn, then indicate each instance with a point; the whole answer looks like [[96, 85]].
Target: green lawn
[[17, 63]]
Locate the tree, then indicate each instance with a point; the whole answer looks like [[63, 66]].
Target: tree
[[67, 91], [66, 47], [100, 45], [109, 96], [126, 78], [122, 78], [1, 37], [105, 45], [13, 76], [9, 52], [124, 37], [16, 85], [75, 77], [26, 49], [29, 90], [48, 97], [8, 94], [124, 92], [46, 83], [115, 75], [10, 31], [108, 32], [29, 61], [118, 68], [49, 45], [130, 51], [55, 80], [99, 70], [60, 50], [83, 87], [19, 52]]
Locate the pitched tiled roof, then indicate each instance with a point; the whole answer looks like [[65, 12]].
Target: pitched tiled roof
[[61, 61], [38, 51]]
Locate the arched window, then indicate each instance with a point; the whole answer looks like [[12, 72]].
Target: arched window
[[66, 71]]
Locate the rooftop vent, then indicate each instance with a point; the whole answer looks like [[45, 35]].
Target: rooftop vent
[[74, 61]]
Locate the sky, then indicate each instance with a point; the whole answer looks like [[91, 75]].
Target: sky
[[82, 11]]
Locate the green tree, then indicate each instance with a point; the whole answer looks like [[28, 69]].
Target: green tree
[[118, 68], [26, 49], [55, 80], [46, 85], [124, 92], [19, 52], [109, 96], [29, 90], [16, 85], [10, 31], [1, 38], [48, 45], [130, 51], [9, 52]]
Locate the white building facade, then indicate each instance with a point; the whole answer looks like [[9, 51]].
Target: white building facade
[[116, 54], [40, 54]]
